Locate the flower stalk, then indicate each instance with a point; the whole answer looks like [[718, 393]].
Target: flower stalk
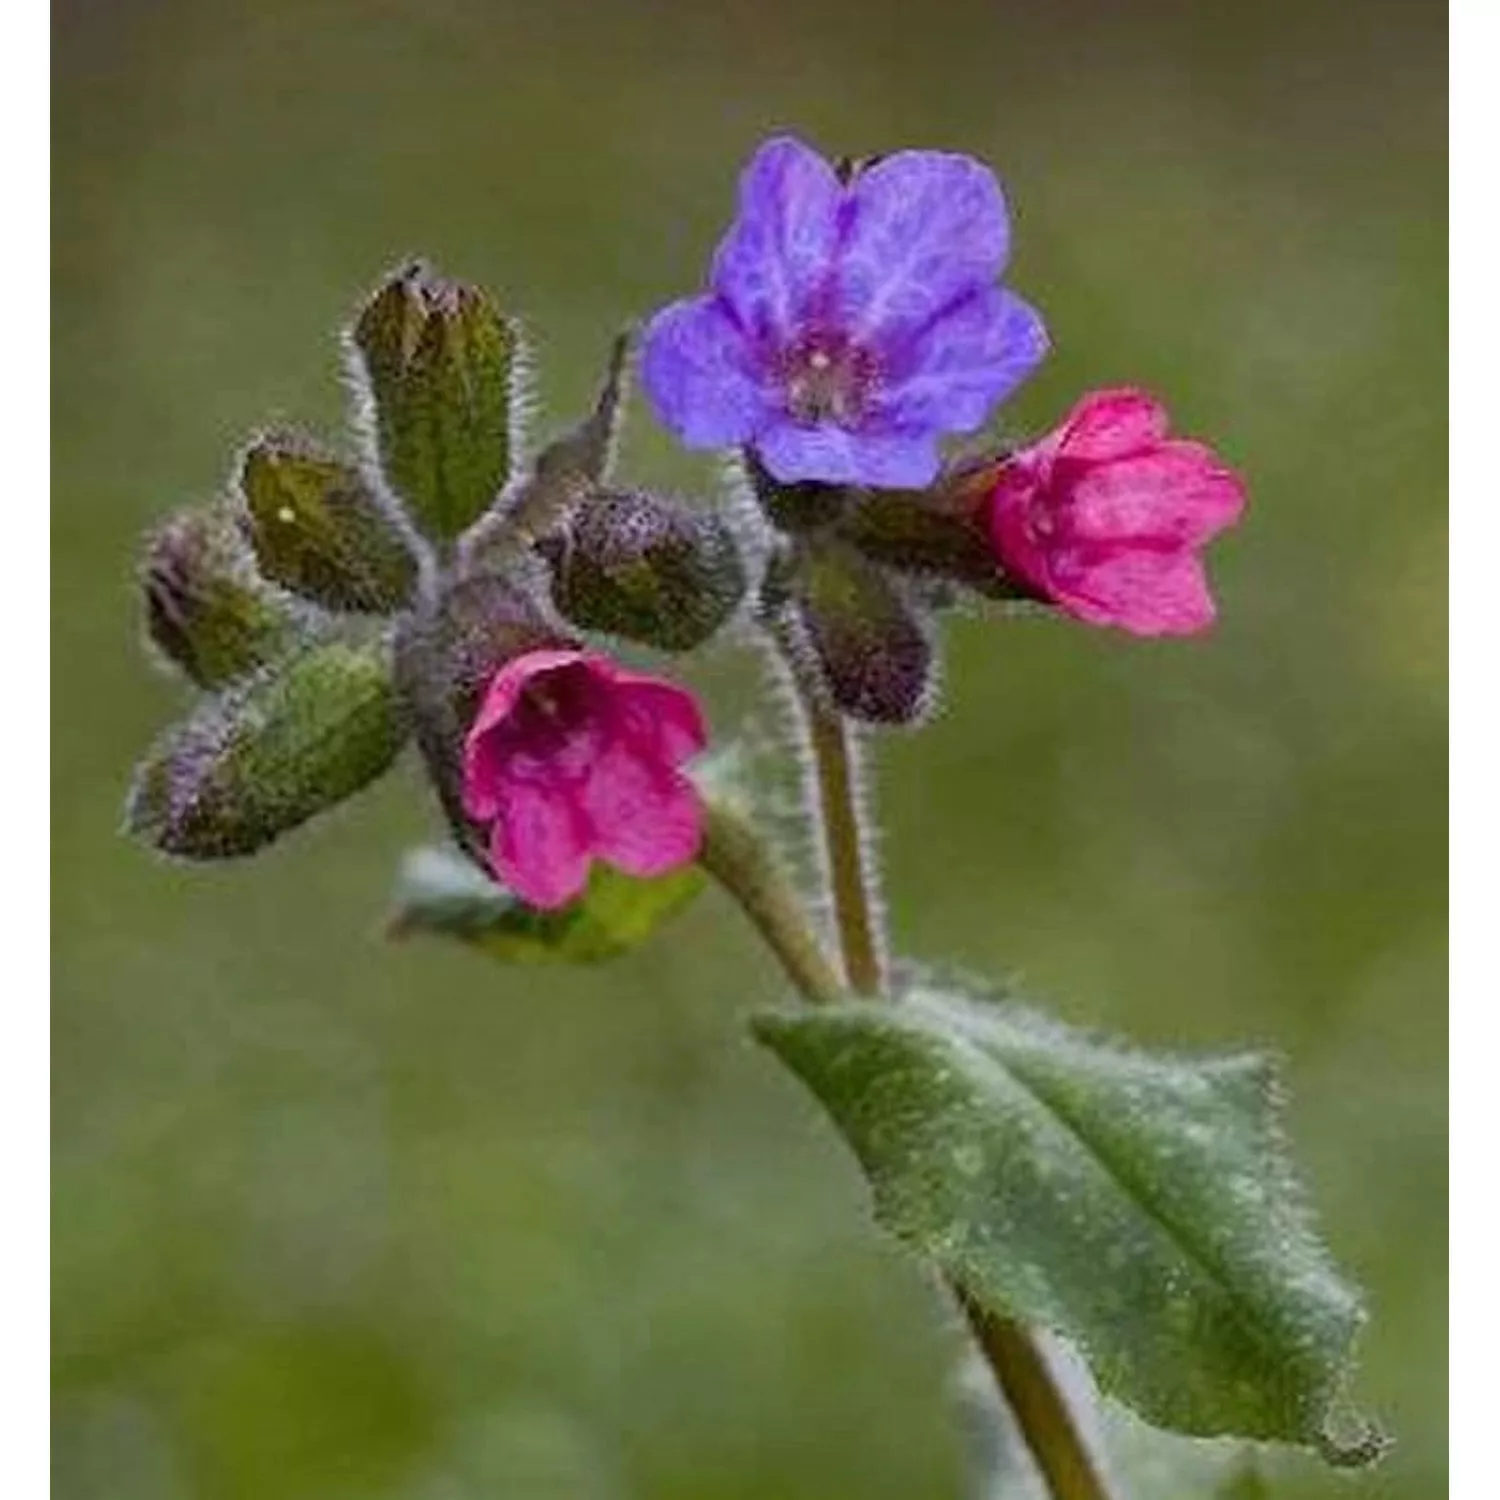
[[734, 853]]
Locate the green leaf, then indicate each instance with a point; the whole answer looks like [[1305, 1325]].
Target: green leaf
[[440, 892], [269, 754], [440, 362], [206, 609], [1142, 1207], [318, 529]]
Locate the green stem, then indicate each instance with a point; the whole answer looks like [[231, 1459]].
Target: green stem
[[849, 871], [737, 857]]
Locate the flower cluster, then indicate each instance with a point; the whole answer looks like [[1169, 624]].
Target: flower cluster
[[853, 318]]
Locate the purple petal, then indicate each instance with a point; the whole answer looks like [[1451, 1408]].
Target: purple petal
[[779, 251], [964, 363], [693, 368], [881, 459], [925, 228]]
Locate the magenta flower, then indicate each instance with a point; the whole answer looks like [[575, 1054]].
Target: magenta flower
[[847, 325], [1107, 515], [572, 758]]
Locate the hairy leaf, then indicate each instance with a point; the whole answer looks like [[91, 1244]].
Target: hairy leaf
[[1143, 1207], [441, 893]]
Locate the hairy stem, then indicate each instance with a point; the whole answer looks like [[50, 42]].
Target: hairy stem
[[850, 874], [736, 856], [739, 859]]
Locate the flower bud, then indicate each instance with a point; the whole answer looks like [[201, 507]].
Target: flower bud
[[318, 529], [864, 631], [440, 364], [648, 569], [205, 608], [269, 753]]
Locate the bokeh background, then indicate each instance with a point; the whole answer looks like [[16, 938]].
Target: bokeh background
[[337, 1218]]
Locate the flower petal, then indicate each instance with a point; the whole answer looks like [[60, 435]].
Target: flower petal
[[887, 457], [776, 257], [964, 362], [539, 845], [666, 716], [485, 747], [924, 228], [646, 817], [1112, 424], [694, 368], [1176, 493], [1143, 591]]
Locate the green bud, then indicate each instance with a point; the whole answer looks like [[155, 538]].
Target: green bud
[[863, 630], [447, 650], [440, 364], [647, 569], [205, 608], [269, 753], [319, 530]]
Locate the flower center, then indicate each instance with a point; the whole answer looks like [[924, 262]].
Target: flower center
[[555, 726], [828, 378]]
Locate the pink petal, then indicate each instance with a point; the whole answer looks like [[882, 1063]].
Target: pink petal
[[1177, 492], [1017, 489], [539, 845], [1113, 424], [1144, 592], [646, 817], [507, 685], [667, 715], [484, 755]]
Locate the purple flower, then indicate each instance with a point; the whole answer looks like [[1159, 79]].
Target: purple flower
[[847, 325]]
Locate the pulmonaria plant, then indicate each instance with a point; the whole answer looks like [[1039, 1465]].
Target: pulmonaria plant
[[427, 585]]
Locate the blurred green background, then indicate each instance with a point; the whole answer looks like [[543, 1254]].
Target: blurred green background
[[337, 1218]]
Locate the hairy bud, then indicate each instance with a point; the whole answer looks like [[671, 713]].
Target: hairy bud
[[318, 529], [205, 608], [269, 753], [647, 569], [440, 363], [864, 631]]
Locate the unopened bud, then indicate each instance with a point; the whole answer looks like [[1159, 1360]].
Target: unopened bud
[[318, 529], [648, 569], [440, 363], [205, 608], [866, 634]]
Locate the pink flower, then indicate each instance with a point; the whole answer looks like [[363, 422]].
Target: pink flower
[[1107, 515], [572, 758]]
